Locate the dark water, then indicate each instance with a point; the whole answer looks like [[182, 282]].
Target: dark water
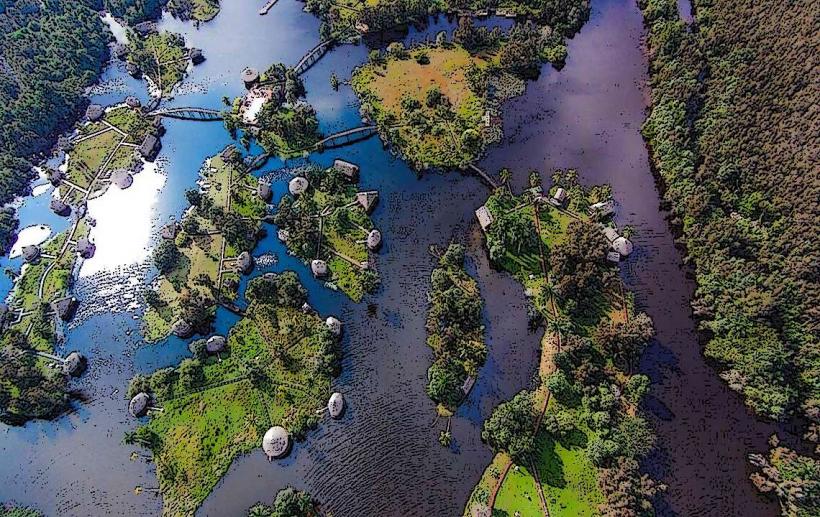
[[383, 457], [588, 117]]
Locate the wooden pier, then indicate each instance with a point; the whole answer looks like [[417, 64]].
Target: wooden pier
[[267, 7]]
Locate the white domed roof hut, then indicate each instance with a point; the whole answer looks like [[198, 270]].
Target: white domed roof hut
[[139, 405], [336, 405], [31, 253], [122, 178], [374, 239], [319, 268], [244, 262], [74, 364], [334, 325], [215, 344], [94, 112], [264, 192], [276, 443], [623, 246], [282, 235], [298, 185], [85, 248], [59, 207]]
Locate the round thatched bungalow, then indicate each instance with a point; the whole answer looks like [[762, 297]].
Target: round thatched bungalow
[[94, 112], [250, 76], [196, 56], [55, 177], [182, 329], [336, 405], [215, 344], [132, 102], [374, 240], [623, 246], [264, 192], [334, 325], [138, 406], [319, 268], [169, 231], [298, 185], [85, 248], [276, 443], [122, 179], [59, 207], [74, 364], [31, 253]]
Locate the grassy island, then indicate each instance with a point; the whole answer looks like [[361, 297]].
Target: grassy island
[[573, 443], [276, 369], [274, 113], [200, 259], [438, 105], [199, 10], [103, 146], [162, 58], [329, 222], [455, 332]]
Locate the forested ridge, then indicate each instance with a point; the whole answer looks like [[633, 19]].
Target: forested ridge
[[733, 132]]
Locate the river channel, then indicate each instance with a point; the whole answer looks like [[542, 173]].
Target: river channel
[[383, 457]]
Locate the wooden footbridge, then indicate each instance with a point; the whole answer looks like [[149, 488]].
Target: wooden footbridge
[[314, 55], [189, 113], [483, 175], [345, 137]]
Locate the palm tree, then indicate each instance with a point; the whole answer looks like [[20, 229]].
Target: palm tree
[[506, 175], [550, 292], [445, 437]]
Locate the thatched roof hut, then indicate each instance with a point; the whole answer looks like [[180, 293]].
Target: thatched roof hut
[[367, 200], [336, 405], [276, 443], [623, 246], [65, 307], [374, 240], [215, 344], [306, 308], [31, 253], [145, 28], [55, 177], [149, 148], [59, 207], [196, 56], [94, 112], [244, 262], [613, 256], [250, 76], [74, 364], [282, 235], [319, 268], [560, 197], [169, 231], [334, 325], [133, 70], [485, 218], [182, 329], [610, 233], [85, 248], [139, 405], [264, 192], [298, 185], [602, 209], [132, 102], [350, 170], [121, 178]]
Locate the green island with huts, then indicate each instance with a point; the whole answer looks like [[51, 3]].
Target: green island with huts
[[263, 383], [200, 258], [574, 442]]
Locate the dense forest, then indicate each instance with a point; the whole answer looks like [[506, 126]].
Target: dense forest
[[734, 136]]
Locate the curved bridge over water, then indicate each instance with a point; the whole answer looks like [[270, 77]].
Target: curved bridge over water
[[189, 113]]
